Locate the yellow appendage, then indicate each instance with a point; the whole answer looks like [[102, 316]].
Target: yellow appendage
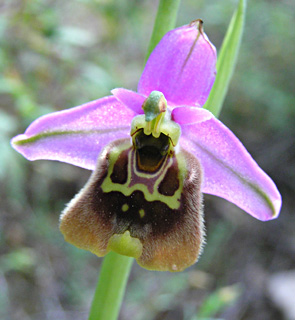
[[126, 245]]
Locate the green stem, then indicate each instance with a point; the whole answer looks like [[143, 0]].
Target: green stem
[[116, 268], [227, 60], [165, 21], [110, 287]]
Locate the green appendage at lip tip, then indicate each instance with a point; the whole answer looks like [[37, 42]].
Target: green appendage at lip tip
[[40, 136], [126, 245]]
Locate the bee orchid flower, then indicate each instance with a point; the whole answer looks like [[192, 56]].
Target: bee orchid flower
[[153, 153]]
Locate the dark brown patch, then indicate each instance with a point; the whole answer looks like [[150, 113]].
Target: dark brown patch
[[158, 217], [120, 170], [170, 183]]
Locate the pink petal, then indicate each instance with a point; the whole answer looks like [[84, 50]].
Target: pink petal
[[130, 99], [182, 67], [76, 135], [229, 170], [190, 115]]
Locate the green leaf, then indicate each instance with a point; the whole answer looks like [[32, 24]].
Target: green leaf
[[165, 21], [227, 60]]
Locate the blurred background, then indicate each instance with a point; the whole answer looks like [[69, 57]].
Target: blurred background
[[57, 54]]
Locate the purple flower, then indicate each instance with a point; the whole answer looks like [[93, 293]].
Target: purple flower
[[144, 196]]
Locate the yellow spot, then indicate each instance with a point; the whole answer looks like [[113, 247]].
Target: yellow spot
[[141, 213], [125, 244], [125, 207]]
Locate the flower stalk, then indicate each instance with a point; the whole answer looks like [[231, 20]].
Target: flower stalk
[[110, 287], [165, 21], [227, 59]]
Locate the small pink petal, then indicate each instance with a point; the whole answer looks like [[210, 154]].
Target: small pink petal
[[130, 99], [190, 115]]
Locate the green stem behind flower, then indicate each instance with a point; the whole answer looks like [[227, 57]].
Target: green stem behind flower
[[227, 60], [165, 21], [116, 268], [110, 287]]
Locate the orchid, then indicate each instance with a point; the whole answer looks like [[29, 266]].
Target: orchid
[[153, 153]]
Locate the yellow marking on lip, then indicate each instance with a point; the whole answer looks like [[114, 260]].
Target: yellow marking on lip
[[141, 213], [172, 202], [125, 207]]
